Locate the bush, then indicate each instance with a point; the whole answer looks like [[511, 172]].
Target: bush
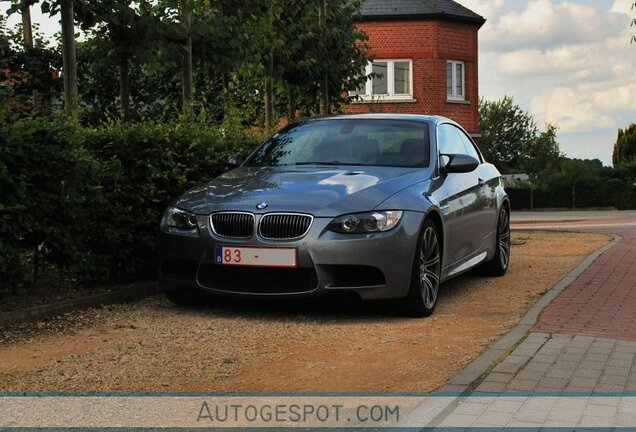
[[49, 184], [89, 200]]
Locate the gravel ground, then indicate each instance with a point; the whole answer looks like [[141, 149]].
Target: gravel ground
[[331, 344]]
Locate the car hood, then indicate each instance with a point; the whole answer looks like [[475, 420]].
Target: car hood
[[321, 191]]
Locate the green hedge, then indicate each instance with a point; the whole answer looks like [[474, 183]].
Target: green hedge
[[610, 192], [89, 200], [49, 184]]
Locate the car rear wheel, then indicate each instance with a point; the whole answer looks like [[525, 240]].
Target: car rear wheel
[[425, 279], [498, 266]]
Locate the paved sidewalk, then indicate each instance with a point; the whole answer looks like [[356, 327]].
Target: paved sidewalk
[[561, 216], [571, 360]]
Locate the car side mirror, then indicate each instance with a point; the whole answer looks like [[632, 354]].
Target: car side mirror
[[459, 163], [235, 160]]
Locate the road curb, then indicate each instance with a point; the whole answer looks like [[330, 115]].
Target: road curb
[[36, 313], [464, 381], [542, 222]]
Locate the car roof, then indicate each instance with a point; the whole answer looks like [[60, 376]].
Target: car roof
[[433, 119]]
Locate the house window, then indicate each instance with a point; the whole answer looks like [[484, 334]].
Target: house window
[[393, 81], [455, 88]]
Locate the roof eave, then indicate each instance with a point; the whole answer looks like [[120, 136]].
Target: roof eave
[[479, 22]]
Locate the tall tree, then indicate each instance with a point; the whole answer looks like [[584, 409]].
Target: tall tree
[[131, 29], [66, 10], [507, 133], [30, 71], [625, 146], [542, 155]]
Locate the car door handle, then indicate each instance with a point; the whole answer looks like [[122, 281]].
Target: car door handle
[[481, 181]]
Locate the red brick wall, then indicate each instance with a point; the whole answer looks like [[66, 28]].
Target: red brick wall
[[429, 43]]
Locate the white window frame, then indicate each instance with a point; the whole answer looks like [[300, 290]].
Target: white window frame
[[390, 96], [454, 96]]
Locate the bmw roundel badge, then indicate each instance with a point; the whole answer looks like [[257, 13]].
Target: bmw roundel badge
[[262, 205]]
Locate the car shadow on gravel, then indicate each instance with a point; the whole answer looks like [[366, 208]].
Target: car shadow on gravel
[[336, 306], [340, 306]]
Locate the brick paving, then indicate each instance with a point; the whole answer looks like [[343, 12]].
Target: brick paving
[[563, 381], [551, 363], [577, 366], [602, 301]]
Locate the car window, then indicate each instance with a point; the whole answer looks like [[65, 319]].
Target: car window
[[379, 142], [468, 144], [449, 140]]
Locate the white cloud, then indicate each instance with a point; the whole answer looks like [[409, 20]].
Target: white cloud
[[567, 62], [546, 24], [588, 106], [537, 62]]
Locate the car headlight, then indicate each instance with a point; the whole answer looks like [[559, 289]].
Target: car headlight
[[375, 221], [181, 219]]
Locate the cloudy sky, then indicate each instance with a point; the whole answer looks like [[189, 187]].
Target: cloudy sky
[[566, 62]]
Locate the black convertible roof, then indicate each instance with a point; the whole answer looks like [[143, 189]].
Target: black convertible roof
[[414, 9]]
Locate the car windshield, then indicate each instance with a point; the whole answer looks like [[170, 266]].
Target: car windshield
[[364, 142]]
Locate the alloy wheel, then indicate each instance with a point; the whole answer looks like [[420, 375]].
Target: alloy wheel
[[430, 265], [504, 238]]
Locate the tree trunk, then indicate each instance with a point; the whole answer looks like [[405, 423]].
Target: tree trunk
[[269, 91], [68, 57], [186, 61], [124, 86], [324, 85], [27, 41], [27, 32], [532, 198], [573, 197]]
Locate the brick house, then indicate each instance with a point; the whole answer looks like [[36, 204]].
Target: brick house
[[426, 51]]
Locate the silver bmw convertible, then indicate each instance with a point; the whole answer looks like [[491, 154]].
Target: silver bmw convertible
[[386, 206]]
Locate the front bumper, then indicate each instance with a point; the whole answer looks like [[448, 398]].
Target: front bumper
[[374, 265]]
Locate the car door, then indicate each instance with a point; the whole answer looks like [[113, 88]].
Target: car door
[[486, 216], [465, 200]]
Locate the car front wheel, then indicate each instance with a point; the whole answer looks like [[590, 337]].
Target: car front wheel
[[427, 264]]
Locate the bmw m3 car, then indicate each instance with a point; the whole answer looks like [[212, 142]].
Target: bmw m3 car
[[386, 206]]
